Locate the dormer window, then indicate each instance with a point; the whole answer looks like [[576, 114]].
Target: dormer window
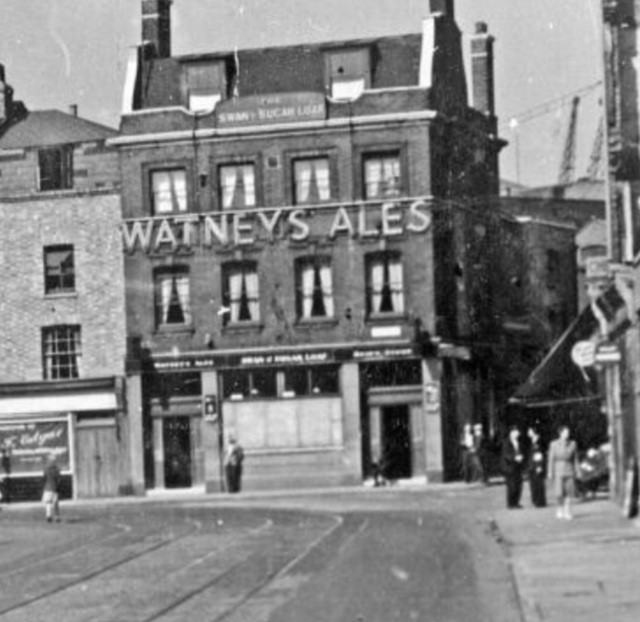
[[349, 72], [206, 85]]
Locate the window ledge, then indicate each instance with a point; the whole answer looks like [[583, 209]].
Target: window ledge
[[238, 327], [172, 329], [381, 318], [317, 322], [61, 294]]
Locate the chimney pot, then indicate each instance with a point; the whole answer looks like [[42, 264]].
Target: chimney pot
[[73, 110], [442, 6], [481, 28]]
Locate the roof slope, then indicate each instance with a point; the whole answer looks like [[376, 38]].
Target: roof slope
[[43, 128]]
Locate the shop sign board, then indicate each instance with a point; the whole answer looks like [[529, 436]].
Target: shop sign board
[[260, 359], [243, 228], [28, 444], [272, 108], [608, 353], [583, 353]]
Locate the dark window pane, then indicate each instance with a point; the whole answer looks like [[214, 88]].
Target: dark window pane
[[263, 383], [325, 379], [235, 383], [296, 380], [59, 271], [54, 167]]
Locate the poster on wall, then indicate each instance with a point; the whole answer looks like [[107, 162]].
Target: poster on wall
[[26, 446]]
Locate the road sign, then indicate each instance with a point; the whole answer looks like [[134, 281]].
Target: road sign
[[608, 353], [583, 353]]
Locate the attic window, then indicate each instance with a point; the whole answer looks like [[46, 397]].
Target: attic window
[[349, 72], [206, 85], [55, 167]]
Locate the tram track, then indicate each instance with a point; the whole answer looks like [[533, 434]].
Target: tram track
[[337, 537], [251, 558], [84, 577]]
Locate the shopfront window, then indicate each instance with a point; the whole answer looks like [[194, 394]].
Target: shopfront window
[[249, 383], [299, 381]]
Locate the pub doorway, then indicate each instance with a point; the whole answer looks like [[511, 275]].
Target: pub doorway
[[177, 452], [395, 443]]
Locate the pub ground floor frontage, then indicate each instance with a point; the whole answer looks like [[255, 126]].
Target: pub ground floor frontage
[[306, 417]]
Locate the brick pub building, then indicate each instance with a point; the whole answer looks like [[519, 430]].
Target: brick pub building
[[62, 303], [301, 270]]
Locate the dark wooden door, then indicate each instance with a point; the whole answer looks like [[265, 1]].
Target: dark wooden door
[[396, 442], [97, 460], [177, 452]]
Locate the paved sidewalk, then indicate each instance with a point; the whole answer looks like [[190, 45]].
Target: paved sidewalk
[[580, 570]]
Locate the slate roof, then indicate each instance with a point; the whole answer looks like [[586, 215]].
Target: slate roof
[[42, 128], [395, 63]]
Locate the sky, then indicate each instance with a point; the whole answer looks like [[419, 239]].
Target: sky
[[62, 52]]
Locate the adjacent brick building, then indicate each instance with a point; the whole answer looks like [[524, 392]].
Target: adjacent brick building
[[62, 302]]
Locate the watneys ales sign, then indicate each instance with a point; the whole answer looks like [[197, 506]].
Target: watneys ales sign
[[246, 227]]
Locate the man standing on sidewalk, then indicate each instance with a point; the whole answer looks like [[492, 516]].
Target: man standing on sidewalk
[[51, 480], [512, 463]]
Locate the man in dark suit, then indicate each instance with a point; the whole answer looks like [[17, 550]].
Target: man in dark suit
[[512, 463]]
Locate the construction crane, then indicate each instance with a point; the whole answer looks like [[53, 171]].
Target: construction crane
[[594, 171], [515, 124], [568, 163]]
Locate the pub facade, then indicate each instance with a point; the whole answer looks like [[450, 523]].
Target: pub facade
[[296, 243]]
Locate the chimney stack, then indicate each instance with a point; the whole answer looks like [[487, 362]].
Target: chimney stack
[[6, 93], [442, 6], [156, 26], [482, 70], [73, 110]]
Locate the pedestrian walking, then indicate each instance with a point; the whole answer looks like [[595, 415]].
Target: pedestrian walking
[[466, 446], [5, 489], [480, 455], [512, 464], [563, 456], [536, 470], [51, 487], [233, 460]]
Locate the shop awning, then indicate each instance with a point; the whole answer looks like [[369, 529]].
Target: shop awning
[[557, 377]]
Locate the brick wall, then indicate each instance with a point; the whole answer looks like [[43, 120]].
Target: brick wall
[[94, 167], [90, 222], [276, 260]]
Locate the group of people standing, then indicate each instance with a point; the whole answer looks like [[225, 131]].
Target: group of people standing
[[559, 466]]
